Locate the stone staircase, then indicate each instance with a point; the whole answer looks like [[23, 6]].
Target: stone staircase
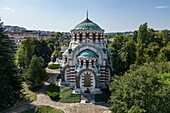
[[87, 98]]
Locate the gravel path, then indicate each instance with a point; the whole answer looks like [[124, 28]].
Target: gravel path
[[43, 99]]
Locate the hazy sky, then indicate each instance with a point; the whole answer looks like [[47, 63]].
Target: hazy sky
[[64, 15]]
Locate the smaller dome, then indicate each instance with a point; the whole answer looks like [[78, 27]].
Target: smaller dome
[[87, 25], [87, 54]]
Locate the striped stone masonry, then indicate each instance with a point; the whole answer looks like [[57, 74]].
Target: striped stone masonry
[[103, 74], [72, 74]]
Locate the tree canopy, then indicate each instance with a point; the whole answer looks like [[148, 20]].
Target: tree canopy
[[142, 89]]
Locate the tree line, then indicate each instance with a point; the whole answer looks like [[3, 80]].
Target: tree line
[[141, 63]]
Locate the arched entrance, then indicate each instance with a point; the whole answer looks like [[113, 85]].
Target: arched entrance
[[87, 81]]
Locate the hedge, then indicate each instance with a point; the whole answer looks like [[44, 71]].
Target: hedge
[[54, 66]]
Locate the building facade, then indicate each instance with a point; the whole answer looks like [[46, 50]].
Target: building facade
[[17, 34], [86, 64]]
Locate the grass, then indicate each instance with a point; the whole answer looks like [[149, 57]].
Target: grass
[[65, 94], [57, 69], [43, 109], [28, 94]]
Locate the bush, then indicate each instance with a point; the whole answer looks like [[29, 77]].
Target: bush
[[43, 109], [53, 91], [54, 66], [59, 76], [53, 95]]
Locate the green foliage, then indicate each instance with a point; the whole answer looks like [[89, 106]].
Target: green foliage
[[9, 80], [42, 50], [62, 93], [123, 49], [35, 74], [54, 66], [53, 91], [142, 89], [43, 109], [53, 58], [67, 96], [142, 34], [25, 53], [59, 76]]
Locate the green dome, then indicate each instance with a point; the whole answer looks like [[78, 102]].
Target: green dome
[[87, 25], [87, 54]]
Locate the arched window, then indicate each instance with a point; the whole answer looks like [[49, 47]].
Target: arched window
[[80, 37], [75, 36], [99, 37], [87, 35], [94, 36], [87, 63], [81, 62], [92, 63]]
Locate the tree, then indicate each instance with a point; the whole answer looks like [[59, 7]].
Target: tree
[[164, 54], [53, 58], [141, 43], [42, 50], [9, 80], [35, 74], [123, 49], [142, 89], [142, 34], [165, 36]]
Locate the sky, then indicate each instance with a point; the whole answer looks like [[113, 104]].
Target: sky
[[64, 15]]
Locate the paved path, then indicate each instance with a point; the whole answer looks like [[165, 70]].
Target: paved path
[[52, 70], [43, 99]]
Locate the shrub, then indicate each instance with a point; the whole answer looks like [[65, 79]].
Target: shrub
[[59, 76], [53, 91], [43, 109], [54, 66], [53, 95]]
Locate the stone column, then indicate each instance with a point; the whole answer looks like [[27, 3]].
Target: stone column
[[73, 38], [91, 37], [83, 37], [97, 38], [84, 62], [78, 38], [90, 62]]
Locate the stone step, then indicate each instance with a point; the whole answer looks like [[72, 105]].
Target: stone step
[[87, 98]]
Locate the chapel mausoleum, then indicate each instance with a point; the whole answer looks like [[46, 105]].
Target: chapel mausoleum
[[87, 64]]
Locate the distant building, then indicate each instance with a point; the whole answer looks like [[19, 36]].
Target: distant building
[[17, 34], [86, 64]]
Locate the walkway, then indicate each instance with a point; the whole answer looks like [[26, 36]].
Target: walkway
[[43, 99]]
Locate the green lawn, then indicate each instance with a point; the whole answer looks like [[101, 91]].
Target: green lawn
[[28, 94], [65, 94]]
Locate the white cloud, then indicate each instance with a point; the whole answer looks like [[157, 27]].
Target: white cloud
[[161, 7], [8, 9]]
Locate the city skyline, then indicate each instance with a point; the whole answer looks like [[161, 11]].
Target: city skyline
[[64, 15]]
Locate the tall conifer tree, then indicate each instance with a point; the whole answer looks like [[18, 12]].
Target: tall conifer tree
[[9, 83]]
